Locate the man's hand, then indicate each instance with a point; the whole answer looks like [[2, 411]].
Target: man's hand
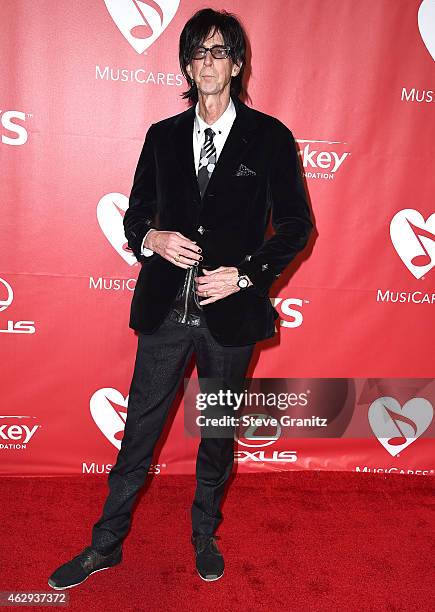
[[174, 247], [217, 284]]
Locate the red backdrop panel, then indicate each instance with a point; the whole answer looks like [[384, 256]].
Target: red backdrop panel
[[351, 79]]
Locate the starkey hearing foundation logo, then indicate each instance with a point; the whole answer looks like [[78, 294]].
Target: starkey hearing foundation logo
[[396, 426], [16, 431], [141, 23], [10, 326], [322, 159]]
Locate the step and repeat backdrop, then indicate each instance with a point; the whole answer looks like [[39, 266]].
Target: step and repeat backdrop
[[81, 82]]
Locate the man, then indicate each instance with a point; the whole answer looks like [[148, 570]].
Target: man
[[205, 185]]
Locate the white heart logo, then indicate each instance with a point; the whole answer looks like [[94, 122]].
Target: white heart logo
[[110, 214], [414, 240], [105, 406], [141, 23], [397, 427], [426, 24]]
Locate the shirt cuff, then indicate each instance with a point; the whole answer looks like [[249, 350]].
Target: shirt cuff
[[146, 252]]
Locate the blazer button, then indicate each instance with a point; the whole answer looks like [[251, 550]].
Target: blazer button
[[201, 229]]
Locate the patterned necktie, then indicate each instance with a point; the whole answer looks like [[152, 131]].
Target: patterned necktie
[[207, 160]]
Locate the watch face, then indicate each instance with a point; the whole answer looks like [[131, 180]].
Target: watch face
[[243, 282]]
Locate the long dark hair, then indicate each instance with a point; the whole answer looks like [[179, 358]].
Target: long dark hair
[[202, 24]]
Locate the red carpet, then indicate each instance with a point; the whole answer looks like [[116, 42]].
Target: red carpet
[[292, 541]]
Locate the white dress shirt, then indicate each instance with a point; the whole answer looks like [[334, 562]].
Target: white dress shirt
[[221, 128]]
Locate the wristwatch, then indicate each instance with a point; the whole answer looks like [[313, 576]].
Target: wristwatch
[[243, 280]]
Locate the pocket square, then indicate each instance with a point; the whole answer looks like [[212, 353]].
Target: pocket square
[[243, 170]]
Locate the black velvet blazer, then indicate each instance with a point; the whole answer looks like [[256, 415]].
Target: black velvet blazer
[[257, 174]]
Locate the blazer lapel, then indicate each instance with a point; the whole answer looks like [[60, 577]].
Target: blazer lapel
[[233, 150], [237, 140]]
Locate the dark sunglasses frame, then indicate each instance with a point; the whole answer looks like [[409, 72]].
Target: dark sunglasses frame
[[225, 47]]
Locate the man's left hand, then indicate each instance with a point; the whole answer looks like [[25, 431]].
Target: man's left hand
[[216, 284]]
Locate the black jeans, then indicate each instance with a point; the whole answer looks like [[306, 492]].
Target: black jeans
[[161, 360]]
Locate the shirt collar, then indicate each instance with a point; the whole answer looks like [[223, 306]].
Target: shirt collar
[[223, 124]]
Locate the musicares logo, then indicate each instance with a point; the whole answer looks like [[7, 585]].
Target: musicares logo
[[414, 240], [141, 23], [110, 214], [109, 411], [396, 426], [426, 24]]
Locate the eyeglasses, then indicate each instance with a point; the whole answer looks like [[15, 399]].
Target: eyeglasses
[[217, 51]]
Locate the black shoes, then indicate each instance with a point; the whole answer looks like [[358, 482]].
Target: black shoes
[[209, 563], [76, 571], [209, 559]]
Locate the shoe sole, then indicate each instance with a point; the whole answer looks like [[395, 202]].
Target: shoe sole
[[70, 586], [210, 579]]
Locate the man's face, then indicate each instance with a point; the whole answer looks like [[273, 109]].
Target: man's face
[[212, 75]]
